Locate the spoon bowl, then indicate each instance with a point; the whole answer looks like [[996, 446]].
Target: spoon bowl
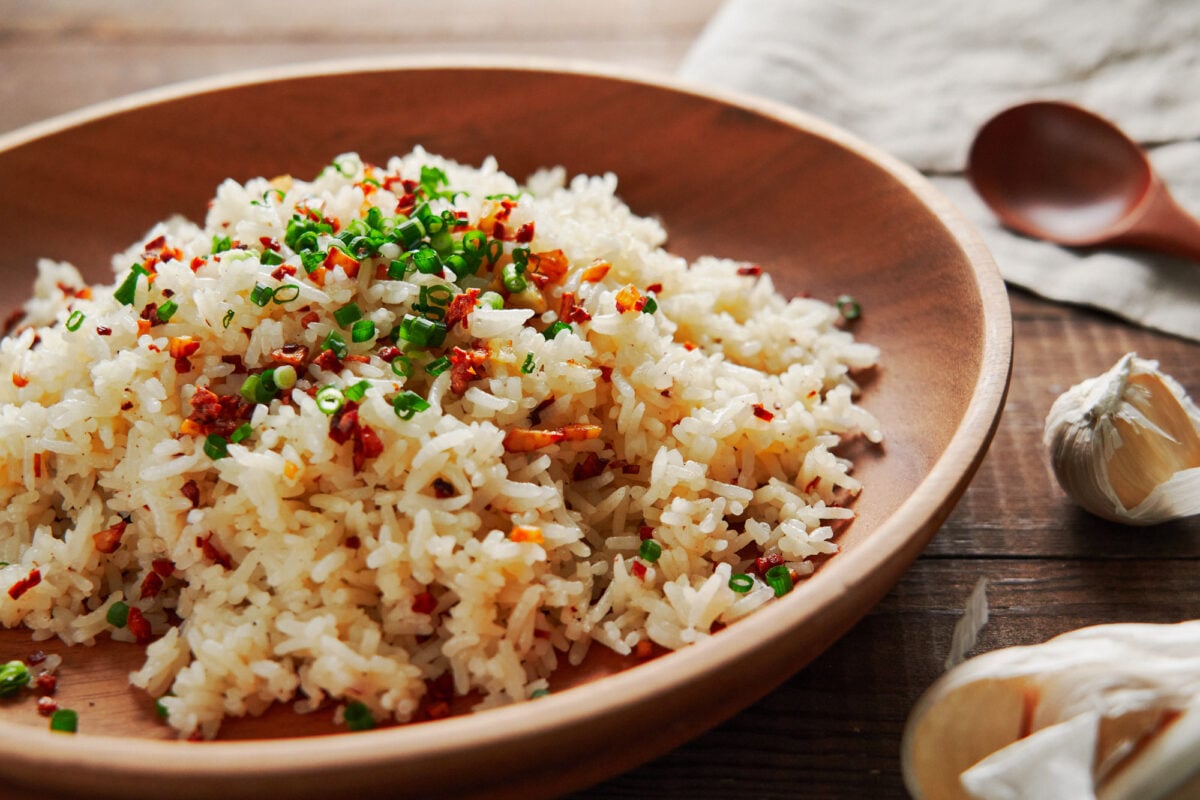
[[1058, 172]]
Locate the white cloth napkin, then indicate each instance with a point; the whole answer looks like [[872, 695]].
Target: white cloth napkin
[[919, 78]]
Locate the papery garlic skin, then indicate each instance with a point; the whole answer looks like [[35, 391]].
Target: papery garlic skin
[[1125, 445], [1109, 712]]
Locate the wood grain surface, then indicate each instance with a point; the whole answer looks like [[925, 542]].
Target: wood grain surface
[[833, 730]]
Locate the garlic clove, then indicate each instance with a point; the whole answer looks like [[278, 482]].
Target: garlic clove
[[1125, 445], [1100, 704]]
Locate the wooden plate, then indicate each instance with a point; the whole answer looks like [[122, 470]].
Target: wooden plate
[[823, 212]]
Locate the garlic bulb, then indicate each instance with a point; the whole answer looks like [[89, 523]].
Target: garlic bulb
[[1109, 712], [1126, 445]]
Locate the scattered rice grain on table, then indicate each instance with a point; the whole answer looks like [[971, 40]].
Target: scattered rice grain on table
[[411, 425]]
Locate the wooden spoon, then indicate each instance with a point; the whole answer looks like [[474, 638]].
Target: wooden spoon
[[1054, 171]]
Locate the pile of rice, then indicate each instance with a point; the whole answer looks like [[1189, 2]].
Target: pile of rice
[[477, 543]]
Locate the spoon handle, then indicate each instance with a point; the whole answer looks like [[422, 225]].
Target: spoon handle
[[1163, 226]]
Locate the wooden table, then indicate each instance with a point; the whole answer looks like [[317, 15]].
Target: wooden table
[[833, 730]]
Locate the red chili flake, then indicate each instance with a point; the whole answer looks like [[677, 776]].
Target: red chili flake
[[645, 532], [103, 330], [591, 466], [355, 358], [197, 263], [551, 265], [310, 319], [525, 233], [467, 366], [268, 243], [46, 682], [152, 584], [192, 492], [367, 444], [328, 360], [182, 346], [629, 298], [405, 202], [37, 465], [498, 230], [752, 271], [461, 306], [219, 414], [46, 706], [19, 380], [283, 270], [109, 539], [138, 625], [637, 569], [150, 314], [390, 353], [343, 423], [689, 346], [762, 413], [606, 374], [438, 709], [631, 469], [443, 488], [172, 254], [340, 258], [183, 366], [163, 566], [353, 542], [212, 552], [37, 657], [424, 603], [128, 404], [764, 563], [811, 485], [643, 649], [291, 353], [25, 584]]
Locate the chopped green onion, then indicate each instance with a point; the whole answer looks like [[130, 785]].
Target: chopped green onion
[[460, 266], [438, 366], [330, 399], [474, 242], [651, 305], [118, 614], [355, 393], [397, 270], [250, 388], [221, 243], [650, 550], [13, 677], [216, 446], [64, 721], [406, 404], [127, 291], [536, 693], [161, 709], [495, 249], [227, 319], [848, 307], [358, 717], [402, 366], [374, 218], [779, 578], [304, 235], [261, 294], [266, 388], [312, 261], [421, 331], [442, 243], [512, 279], [427, 261], [167, 310], [241, 433], [285, 376], [410, 232], [286, 293], [363, 331], [741, 583], [75, 320], [347, 314], [529, 366], [335, 342], [556, 329], [270, 258], [491, 300]]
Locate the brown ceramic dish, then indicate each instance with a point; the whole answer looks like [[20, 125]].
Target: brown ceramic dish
[[821, 211]]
